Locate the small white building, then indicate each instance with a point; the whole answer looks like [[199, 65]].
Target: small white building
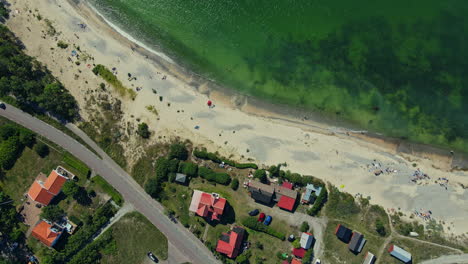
[[306, 240]]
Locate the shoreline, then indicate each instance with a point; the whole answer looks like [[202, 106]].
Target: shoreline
[[241, 126], [304, 119]]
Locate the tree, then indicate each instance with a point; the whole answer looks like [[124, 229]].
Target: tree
[[379, 227], [26, 137], [235, 184], [188, 168], [261, 175], [70, 188], [244, 258], [57, 99], [52, 213], [8, 215], [9, 152], [3, 11], [82, 196], [153, 187], [178, 151], [308, 257], [143, 130], [305, 227], [41, 149], [7, 131], [296, 243]]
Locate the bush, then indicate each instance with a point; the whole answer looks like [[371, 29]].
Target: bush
[[251, 222], [52, 213], [379, 227], [308, 257], [162, 168], [235, 184], [70, 188], [41, 149], [143, 130], [203, 154], [153, 187], [305, 227], [341, 205], [319, 202], [26, 137], [61, 44], [218, 177], [75, 220], [178, 151], [173, 165], [188, 168], [296, 243], [261, 175]]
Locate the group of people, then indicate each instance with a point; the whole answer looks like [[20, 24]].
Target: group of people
[[419, 175]]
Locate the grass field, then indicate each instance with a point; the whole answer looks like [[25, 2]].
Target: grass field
[[99, 183], [135, 236], [76, 164]]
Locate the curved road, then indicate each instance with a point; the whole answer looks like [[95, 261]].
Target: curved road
[[183, 245]]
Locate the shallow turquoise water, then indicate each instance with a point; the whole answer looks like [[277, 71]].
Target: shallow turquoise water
[[398, 67]]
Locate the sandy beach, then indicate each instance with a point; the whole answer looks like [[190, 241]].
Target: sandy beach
[[236, 127]]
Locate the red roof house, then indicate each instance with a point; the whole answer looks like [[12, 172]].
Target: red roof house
[[207, 205], [296, 261], [230, 242], [44, 192], [299, 252], [286, 203], [46, 233]]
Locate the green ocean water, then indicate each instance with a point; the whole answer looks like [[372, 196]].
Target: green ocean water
[[397, 67]]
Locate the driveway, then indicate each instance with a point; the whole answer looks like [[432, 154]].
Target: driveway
[[183, 245]]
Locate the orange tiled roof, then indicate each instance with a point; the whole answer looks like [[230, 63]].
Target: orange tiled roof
[[44, 233], [39, 194], [54, 182]]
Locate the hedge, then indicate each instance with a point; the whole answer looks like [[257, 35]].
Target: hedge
[[188, 168], [252, 223], [319, 202], [76, 164], [203, 154], [218, 177]]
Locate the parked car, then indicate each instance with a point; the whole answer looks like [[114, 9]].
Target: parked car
[[254, 212], [2, 105], [152, 257], [317, 261], [268, 220], [261, 217]]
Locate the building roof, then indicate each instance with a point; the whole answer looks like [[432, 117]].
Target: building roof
[[207, 205], [306, 240], [230, 242], [283, 191], [39, 194], [182, 178], [356, 241], [400, 253], [369, 259], [54, 182], [287, 185], [310, 188], [260, 192], [299, 252], [45, 233], [343, 233], [286, 203], [296, 261]]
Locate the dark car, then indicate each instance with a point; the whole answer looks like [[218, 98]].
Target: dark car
[[254, 212], [152, 257], [2, 105], [261, 217]]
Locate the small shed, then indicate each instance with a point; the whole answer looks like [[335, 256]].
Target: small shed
[[357, 242], [181, 178], [400, 254], [307, 240], [369, 259], [343, 233]]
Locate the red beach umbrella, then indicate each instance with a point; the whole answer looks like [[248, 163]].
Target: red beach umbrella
[[209, 103]]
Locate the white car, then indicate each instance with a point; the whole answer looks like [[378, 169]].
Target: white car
[[318, 261]]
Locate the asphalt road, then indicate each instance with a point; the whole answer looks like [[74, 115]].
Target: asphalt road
[[183, 245]]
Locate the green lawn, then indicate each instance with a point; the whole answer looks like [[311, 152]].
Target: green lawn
[[135, 236], [419, 251]]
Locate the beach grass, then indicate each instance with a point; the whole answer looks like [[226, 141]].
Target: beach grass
[[110, 78]]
